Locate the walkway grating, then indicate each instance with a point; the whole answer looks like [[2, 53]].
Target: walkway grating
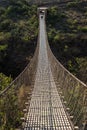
[[46, 111]]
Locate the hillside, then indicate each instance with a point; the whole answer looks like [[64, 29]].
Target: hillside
[[18, 36], [67, 33], [18, 33]]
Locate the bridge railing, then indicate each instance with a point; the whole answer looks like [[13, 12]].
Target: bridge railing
[[12, 99], [73, 90]]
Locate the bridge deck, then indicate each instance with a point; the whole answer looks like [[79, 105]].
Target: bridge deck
[[46, 111]]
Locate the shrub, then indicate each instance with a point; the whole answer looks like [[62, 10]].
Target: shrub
[[72, 4], [4, 81], [82, 29]]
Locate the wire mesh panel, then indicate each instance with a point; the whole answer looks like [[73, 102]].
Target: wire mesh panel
[[46, 110]]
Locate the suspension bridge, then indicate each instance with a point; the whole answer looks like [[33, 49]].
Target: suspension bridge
[[55, 99]]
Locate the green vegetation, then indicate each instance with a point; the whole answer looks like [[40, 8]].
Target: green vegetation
[[18, 34], [82, 29], [4, 81], [10, 109], [18, 38], [10, 112], [73, 4], [3, 47], [67, 34]]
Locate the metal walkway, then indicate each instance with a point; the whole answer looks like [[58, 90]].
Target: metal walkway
[[46, 111]]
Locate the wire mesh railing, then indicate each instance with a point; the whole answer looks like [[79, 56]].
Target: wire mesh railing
[[73, 90], [12, 99]]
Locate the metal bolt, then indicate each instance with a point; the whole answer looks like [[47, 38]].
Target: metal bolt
[[22, 118], [60, 92], [62, 97], [67, 108], [26, 103], [76, 128], [24, 110], [65, 102], [71, 117]]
